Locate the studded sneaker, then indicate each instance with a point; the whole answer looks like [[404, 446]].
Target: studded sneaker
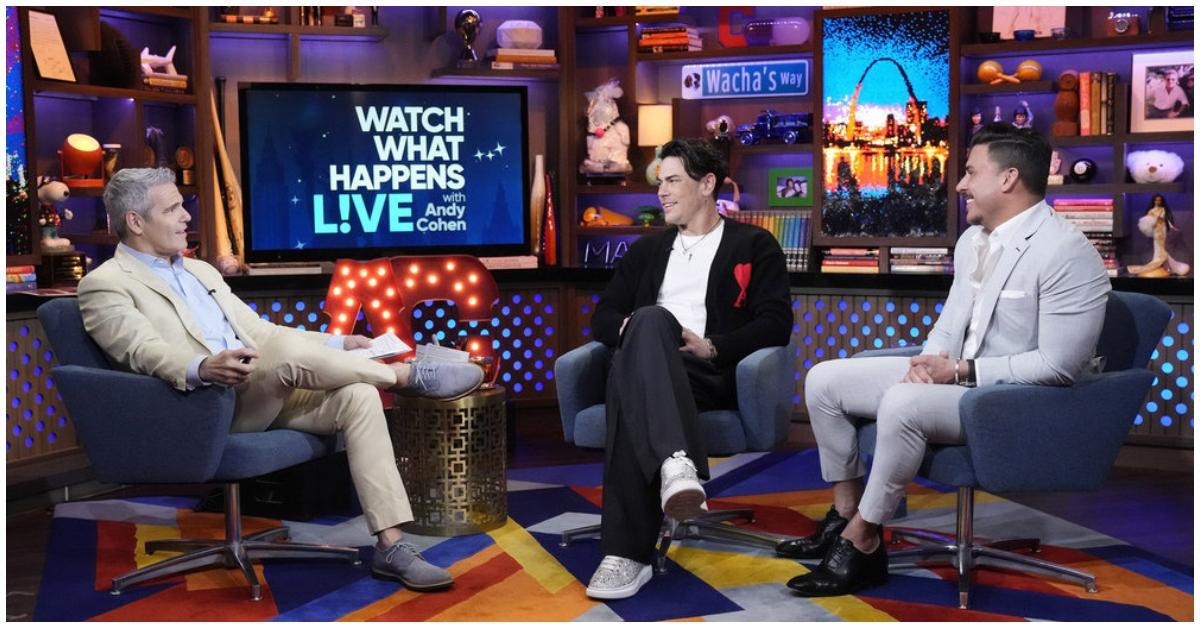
[[681, 493], [618, 578]]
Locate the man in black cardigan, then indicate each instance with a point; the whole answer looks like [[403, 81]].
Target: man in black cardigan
[[683, 308]]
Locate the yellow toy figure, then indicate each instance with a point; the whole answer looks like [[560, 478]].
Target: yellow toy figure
[[1155, 224]]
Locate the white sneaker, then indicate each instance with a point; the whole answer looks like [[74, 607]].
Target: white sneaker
[[682, 495], [618, 578]]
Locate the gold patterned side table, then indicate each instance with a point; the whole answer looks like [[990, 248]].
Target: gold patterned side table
[[451, 456]]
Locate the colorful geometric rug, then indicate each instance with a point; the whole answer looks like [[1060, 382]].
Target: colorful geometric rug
[[519, 573]]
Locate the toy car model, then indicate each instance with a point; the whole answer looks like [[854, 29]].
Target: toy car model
[[790, 128]]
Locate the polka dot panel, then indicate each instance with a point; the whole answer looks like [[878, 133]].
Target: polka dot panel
[[823, 332], [524, 320], [1168, 410], [34, 421]]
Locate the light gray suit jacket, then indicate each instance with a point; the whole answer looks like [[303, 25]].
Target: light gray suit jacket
[[143, 325], [1042, 306]]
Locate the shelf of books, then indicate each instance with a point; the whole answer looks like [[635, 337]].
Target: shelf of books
[[790, 228]]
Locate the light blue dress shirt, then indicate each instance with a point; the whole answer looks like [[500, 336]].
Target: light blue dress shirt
[[218, 333]]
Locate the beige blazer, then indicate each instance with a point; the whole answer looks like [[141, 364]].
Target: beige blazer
[[144, 326], [1042, 306]]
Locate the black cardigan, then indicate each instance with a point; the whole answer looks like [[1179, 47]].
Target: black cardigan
[[764, 319]]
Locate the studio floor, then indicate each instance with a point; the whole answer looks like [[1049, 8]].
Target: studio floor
[[1149, 509]]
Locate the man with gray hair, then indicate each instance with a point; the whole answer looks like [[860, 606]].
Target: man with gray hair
[[156, 312]]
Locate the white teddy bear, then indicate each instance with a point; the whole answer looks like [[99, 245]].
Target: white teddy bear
[[1154, 166]]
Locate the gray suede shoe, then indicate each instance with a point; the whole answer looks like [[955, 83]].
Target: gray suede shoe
[[445, 381], [403, 562]]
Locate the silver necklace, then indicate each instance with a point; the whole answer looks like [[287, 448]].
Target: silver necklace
[[687, 250]]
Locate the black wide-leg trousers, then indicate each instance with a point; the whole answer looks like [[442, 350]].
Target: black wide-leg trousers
[[653, 395]]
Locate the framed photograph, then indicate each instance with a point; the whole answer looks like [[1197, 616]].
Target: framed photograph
[[1163, 86], [1041, 20], [790, 187], [886, 127]]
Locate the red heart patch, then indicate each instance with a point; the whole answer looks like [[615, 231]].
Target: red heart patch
[[741, 273]]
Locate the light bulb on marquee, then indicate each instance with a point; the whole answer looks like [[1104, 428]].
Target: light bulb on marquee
[[392, 311]]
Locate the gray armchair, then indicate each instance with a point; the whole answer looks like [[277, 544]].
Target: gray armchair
[[1036, 438], [137, 429], [760, 422]]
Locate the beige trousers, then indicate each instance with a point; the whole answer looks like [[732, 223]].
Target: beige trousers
[[841, 393], [305, 386]]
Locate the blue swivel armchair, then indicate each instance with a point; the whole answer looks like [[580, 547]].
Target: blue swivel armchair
[[137, 429], [760, 422], [1036, 438]]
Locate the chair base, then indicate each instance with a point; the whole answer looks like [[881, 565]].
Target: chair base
[[234, 550], [965, 553], [709, 525]]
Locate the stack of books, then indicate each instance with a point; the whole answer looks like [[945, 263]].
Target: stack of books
[[1097, 102], [790, 228], [250, 19], [173, 83], [851, 260], [921, 259], [1094, 217], [670, 38], [18, 278], [523, 59], [655, 10]]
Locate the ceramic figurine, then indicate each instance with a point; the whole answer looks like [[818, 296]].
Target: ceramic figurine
[[1154, 224], [1066, 106], [976, 122], [1023, 116], [608, 135]]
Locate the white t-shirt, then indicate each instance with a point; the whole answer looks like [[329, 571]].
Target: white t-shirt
[[685, 284]]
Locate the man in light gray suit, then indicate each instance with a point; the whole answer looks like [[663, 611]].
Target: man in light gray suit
[[1026, 307]]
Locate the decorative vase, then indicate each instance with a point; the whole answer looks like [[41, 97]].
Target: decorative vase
[[550, 233], [519, 34], [652, 168], [537, 202]]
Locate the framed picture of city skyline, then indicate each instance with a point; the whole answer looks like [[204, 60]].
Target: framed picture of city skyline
[[886, 127]]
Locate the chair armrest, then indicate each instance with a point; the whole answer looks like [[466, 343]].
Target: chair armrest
[[580, 378], [764, 392], [137, 428], [1024, 437], [902, 352]]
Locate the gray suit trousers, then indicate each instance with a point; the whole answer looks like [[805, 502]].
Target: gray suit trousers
[[842, 393]]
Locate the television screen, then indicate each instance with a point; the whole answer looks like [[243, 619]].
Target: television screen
[[365, 171]]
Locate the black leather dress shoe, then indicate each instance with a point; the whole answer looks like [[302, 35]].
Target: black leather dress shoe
[[818, 543], [844, 570]]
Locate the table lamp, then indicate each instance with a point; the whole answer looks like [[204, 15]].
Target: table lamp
[[654, 129], [81, 158]]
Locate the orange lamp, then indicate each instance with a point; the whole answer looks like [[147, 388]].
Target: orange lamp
[[81, 157]]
